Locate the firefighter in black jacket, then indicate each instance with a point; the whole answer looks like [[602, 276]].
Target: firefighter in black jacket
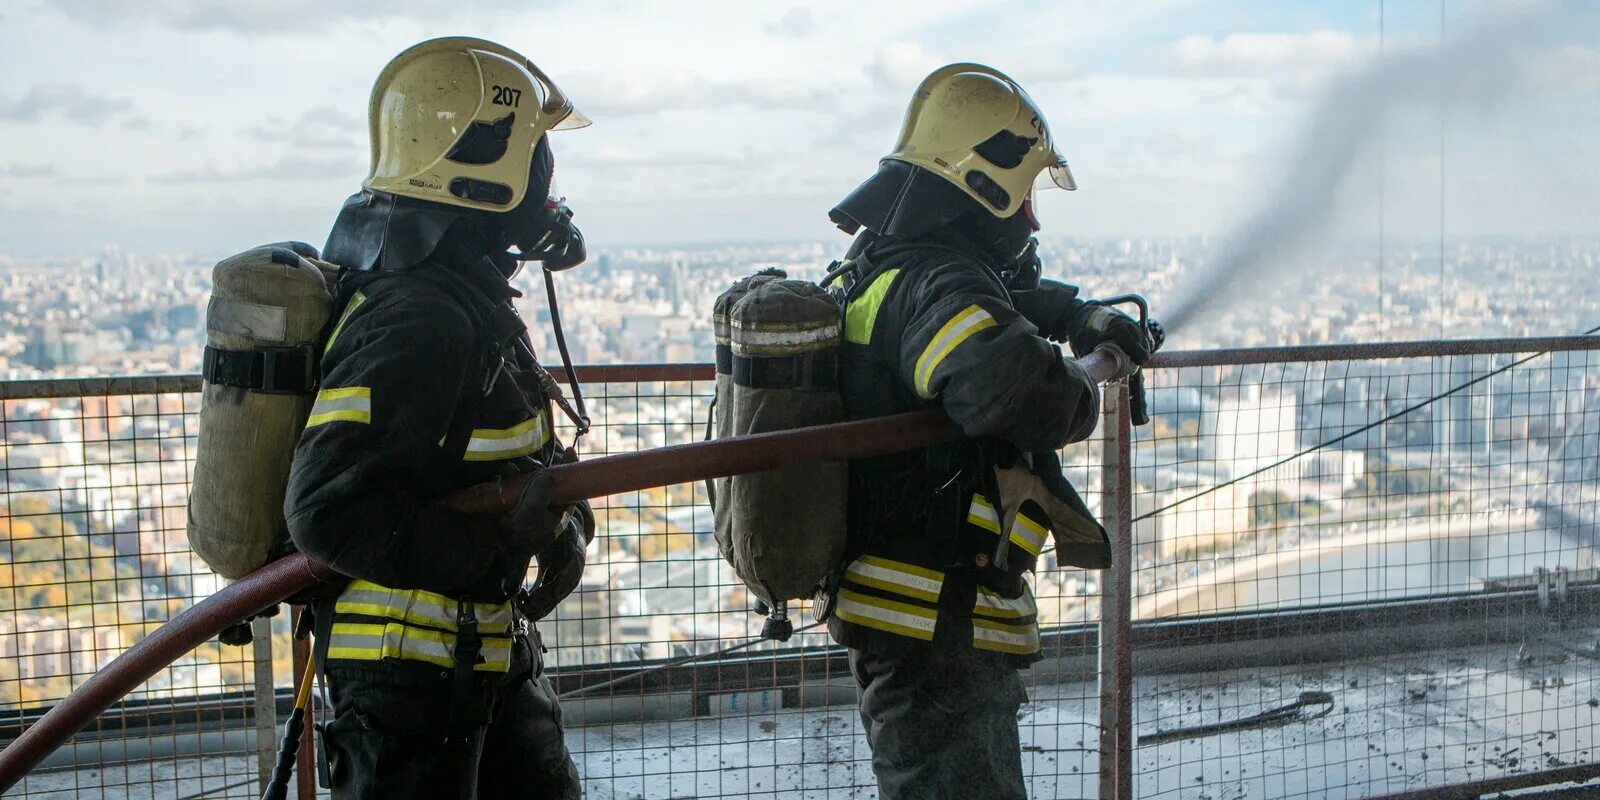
[[429, 385], [933, 604]]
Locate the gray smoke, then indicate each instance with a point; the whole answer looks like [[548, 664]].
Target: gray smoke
[[1486, 64]]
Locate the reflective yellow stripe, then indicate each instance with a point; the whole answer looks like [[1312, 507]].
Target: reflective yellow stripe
[[894, 576], [1026, 533], [887, 615], [355, 303], [494, 444], [862, 313], [367, 642], [418, 607], [993, 605], [988, 635], [960, 327], [350, 404]]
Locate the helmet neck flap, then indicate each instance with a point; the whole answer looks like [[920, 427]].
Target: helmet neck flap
[[379, 231], [908, 203]]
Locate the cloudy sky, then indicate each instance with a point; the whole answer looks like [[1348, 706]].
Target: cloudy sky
[[208, 125]]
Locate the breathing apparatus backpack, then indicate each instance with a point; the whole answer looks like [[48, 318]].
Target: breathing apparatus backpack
[[778, 344], [265, 326]]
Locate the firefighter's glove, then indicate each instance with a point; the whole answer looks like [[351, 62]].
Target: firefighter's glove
[[532, 524], [560, 565], [1053, 308], [1097, 324]]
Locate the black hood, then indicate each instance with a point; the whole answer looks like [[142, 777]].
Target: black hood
[[908, 203], [378, 231], [900, 200]]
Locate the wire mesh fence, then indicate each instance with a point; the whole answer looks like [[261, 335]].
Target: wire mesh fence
[[1334, 594], [1272, 501], [95, 558]]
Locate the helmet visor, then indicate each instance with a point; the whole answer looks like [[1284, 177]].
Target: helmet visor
[[1060, 177]]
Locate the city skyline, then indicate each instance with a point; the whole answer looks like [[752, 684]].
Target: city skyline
[[197, 129]]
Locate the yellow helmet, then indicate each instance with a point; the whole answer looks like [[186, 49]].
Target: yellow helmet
[[976, 128], [455, 121]]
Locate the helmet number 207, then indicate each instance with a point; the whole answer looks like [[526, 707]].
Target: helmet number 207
[[506, 96]]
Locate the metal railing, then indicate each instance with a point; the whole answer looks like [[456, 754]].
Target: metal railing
[[1428, 575]]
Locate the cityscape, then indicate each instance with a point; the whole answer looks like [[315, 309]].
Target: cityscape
[[96, 487]]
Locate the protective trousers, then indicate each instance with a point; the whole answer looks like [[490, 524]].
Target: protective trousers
[[942, 724], [386, 738]]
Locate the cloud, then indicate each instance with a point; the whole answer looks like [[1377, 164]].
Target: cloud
[[1571, 67], [607, 95], [247, 18], [67, 99], [292, 168], [1318, 51], [325, 128], [138, 123], [27, 171], [901, 65], [796, 24]]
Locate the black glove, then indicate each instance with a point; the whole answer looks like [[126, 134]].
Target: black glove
[[1052, 308], [561, 564], [532, 524], [1096, 324]]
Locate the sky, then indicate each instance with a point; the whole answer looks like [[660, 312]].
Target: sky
[[188, 125]]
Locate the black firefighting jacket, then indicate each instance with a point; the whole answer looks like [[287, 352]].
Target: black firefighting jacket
[[428, 386], [929, 325]]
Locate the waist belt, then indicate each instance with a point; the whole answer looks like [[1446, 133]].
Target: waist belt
[[814, 370], [267, 370]]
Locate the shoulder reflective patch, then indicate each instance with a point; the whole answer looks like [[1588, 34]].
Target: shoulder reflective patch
[[862, 313], [350, 308], [887, 615], [957, 330], [350, 404], [495, 444], [1026, 532]]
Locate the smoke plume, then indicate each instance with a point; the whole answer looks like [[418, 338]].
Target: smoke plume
[[1494, 59]]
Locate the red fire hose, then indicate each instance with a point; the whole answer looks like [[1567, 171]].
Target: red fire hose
[[599, 477]]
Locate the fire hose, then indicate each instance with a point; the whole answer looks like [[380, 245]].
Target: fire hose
[[598, 477]]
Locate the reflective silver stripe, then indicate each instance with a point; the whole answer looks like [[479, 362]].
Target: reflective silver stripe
[[349, 404], [362, 642], [886, 615], [493, 444], [1025, 532], [988, 635], [758, 339], [961, 326], [418, 607], [994, 605], [894, 576]]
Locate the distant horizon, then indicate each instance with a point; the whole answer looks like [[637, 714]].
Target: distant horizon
[[599, 248]]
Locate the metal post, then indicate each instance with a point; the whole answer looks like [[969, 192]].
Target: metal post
[[266, 702], [305, 761], [1116, 601]]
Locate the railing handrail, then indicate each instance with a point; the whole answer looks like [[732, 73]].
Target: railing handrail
[[33, 388]]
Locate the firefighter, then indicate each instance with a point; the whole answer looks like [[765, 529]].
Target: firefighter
[[429, 384], [944, 309]]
